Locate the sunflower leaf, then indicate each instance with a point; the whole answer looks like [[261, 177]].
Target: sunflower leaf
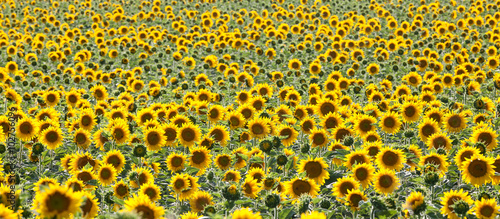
[[242, 202], [93, 182], [286, 213]]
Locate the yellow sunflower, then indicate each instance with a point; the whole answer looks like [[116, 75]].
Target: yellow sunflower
[[175, 162], [188, 134], [288, 135], [450, 198], [485, 135], [435, 159], [353, 197], [154, 138], [296, 187], [106, 174], [439, 140], [318, 137], [143, 206], [258, 128], [116, 159], [392, 159], [26, 129], [363, 173], [414, 200], [454, 122], [342, 187], [200, 158], [385, 181], [179, 182], [356, 157], [199, 200], [478, 170], [121, 190], [90, 207], [486, 208], [426, 128], [245, 213], [220, 134], [82, 138], [390, 122], [51, 137], [411, 111], [57, 202], [316, 169]]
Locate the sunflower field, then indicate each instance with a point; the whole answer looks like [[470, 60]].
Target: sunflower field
[[249, 109]]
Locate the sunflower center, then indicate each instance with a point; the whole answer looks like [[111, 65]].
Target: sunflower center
[[142, 178], [300, 187], [410, 111], [86, 120], [146, 117], [345, 187], [235, 121], [51, 98], [84, 176], [119, 134], [153, 138], [201, 203], [389, 122], [361, 174], [452, 200], [319, 139], [177, 161], [477, 168], [224, 161], [58, 202], [413, 80], [171, 134], [87, 207], [487, 211], [307, 126], [295, 65], [145, 212], [26, 128], [355, 199], [386, 181], [188, 135], [365, 125], [75, 186], [485, 137], [357, 159], [214, 113], [98, 93], [439, 142], [390, 158], [52, 136], [179, 184], [313, 169], [80, 138], [286, 133], [105, 174], [198, 157], [257, 129], [331, 123], [455, 121], [230, 177], [428, 130], [114, 160], [121, 190], [217, 134], [327, 108]]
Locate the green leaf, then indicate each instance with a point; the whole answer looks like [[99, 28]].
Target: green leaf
[[92, 182], [286, 213], [118, 201], [242, 202]]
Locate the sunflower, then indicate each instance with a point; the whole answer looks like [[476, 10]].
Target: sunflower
[[245, 213], [75, 184], [51, 137], [486, 208], [188, 134], [363, 173], [235, 119], [477, 170], [332, 121], [343, 185], [356, 157], [170, 133], [257, 174], [154, 138], [427, 128], [364, 124], [315, 169], [140, 176], [189, 215], [51, 98], [44, 182], [485, 135], [223, 161], [390, 122], [435, 159], [57, 202], [454, 122], [48, 114], [439, 140], [82, 138], [411, 111], [216, 113], [373, 69], [175, 162], [313, 215], [414, 201], [258, 128], [121, 190], [120, 131], [220, 134], [296, 187], [90, 207], [385, 181], [318, 138], [353, 197], [106, 174], [80, 160], [325, 106], [450, 198], [144, 115], [143, 206], [116, 159], [294, 64], [26, 129], [288, 135], [240, 162], [200, 158], [179, 183], [231, 176]]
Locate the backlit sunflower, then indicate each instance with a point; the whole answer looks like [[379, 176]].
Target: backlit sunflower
[[353, 197], [51, 137], [343, 185], [450, 198], [486, 208], [188, 134], [477, 170], [199, 200], [57, 202], [141, 205], [454, 122], [26, 129], [106, 174], [316, 169], [200, 158], [385, 181], [175, 162], [296, 187]]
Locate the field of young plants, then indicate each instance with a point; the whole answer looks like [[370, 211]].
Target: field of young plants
[[249, 109]]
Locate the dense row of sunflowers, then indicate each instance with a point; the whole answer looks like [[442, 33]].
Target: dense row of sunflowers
[[249, 109]]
